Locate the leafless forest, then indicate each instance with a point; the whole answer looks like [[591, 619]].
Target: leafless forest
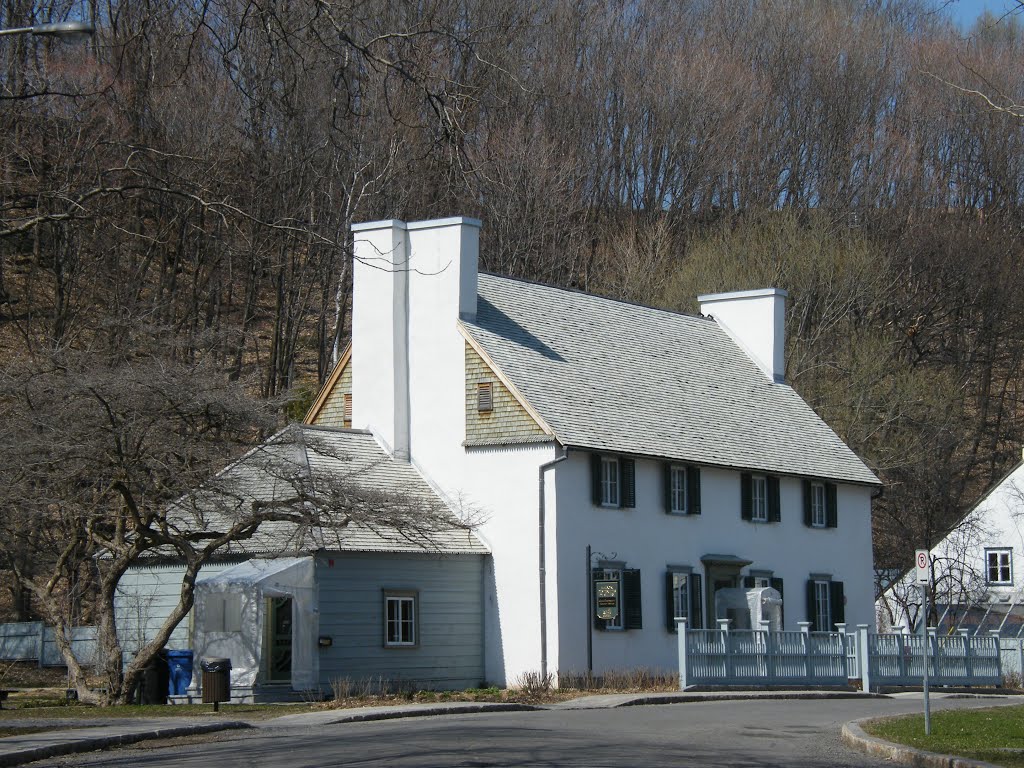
[[176, 196]]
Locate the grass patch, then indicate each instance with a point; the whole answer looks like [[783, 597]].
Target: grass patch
[[991, 735], [76, 711]]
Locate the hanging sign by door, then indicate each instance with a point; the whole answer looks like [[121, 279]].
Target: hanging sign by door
[[607, 599]]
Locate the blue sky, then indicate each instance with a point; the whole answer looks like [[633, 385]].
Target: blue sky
[[964, 12]]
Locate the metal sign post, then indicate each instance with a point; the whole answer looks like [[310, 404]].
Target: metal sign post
[[921, 561]]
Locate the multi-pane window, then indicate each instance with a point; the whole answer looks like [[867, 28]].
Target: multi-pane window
[[819, 513], [999, 566], [681, 595], [609, 481], [677, 484], [759, 498], [822, 606], [400, 620]]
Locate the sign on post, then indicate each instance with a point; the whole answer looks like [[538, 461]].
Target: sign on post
[[924, 575], [607, 600]]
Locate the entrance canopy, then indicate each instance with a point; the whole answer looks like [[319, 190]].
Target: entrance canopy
[[231, 618]]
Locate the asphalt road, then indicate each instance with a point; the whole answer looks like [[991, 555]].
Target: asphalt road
[[799, 734]]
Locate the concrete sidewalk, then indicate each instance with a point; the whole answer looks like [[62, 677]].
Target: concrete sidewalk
[[89, 735]]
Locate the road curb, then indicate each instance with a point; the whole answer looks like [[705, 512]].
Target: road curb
[[854, 736], [91, 743], [689, 698], [398, 713]]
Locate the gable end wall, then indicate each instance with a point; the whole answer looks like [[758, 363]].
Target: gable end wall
[[333, 412], [507, 422]]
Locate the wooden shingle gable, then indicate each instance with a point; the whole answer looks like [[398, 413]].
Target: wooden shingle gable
[[333, 404]]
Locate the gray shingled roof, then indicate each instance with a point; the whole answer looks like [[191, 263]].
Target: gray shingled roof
[[390, 506], [611, 376]]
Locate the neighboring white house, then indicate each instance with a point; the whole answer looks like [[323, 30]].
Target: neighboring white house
[[631, 462], [976, 570]]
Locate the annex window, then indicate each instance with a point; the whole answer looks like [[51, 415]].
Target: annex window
[[617, 598], [999, 566], [760, 500], [613, 481], [223, 612], [682, 598], [682, 489], [826, 603], [400, 619], [485, 397], [820, 505]]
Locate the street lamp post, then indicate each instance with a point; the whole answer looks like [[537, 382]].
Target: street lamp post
[[63, 30]]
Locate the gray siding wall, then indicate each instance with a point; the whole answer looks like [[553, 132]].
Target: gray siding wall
[[449, 654], [145, 598]]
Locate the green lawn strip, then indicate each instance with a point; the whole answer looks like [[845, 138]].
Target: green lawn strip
[[131, 711], [992, 735]]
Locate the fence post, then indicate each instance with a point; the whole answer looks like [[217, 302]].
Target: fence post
[[42, 642], [864, 657], [999, 654], [931, 653], [968, 647], [805, 633], [684, 662], [769, 650], [1020, 658], [723, 629], [841, 629]]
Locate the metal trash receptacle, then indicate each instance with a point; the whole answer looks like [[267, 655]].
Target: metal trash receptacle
[[216, 680]]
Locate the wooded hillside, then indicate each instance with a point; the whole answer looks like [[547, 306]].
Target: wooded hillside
[[177, 193]]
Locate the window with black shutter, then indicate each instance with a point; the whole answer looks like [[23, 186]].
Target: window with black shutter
[[631, 599], [820, 504], [612, 481], [760, 499], [616, 598], [681, 493]]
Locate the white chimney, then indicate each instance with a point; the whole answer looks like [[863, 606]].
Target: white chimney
[[756, 321], [411, 282]]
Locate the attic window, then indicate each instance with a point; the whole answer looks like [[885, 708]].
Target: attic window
[[485, 397], [347, 417]]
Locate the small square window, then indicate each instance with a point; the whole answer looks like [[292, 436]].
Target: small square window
[[999, 566], [759, 498], [399, 620], [609, 481], [485, 397]]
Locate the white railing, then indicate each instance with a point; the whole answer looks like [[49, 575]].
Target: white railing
[[759, 657], [805, 658]]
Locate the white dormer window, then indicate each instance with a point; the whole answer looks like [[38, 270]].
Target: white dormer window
[[999, 566]]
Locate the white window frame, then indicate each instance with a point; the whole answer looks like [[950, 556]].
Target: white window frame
[[761, 580], [823, 605], [611, 481], [680, 503], [681, 594], [615, 574], [759, 498], [1001, 565], [819, 506], [405, 603]]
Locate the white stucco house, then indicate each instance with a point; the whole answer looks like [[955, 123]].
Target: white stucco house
[[976, 570], [630, 462]]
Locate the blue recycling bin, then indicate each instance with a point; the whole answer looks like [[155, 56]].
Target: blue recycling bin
[[180, 665]]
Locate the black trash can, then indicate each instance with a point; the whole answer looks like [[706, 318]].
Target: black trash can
[[216, 680], [155, 679]]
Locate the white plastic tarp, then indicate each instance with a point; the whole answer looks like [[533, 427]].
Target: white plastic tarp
[[230, 616]]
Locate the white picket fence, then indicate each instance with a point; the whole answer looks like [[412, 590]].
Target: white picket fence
[[34, 641], [721, 657]]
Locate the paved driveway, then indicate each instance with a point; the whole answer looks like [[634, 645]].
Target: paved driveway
[[734, 733]]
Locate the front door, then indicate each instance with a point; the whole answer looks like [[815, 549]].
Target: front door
[[279, 639]]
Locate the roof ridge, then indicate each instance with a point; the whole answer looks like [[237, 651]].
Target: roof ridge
[[591, 295]]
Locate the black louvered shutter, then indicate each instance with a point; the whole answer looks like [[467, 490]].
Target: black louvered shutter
[[596, 574], [670, 602], [667, 486], [837, 603], [627, 493], [831, 506], [748, 582], [812, 607], [693, 490], [777, 586], [595, 478], [631, 599], [774, 500], [808, 501], [746, 497], [696, 601]]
